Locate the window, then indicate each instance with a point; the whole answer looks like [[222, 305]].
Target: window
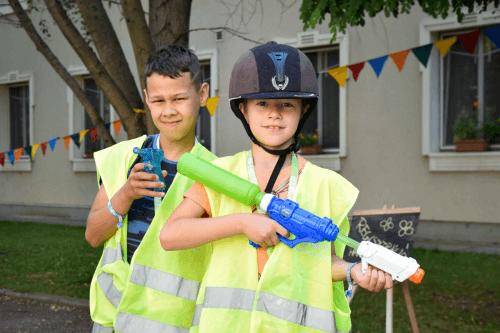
[[19, 116], [102, 106], [203, 132], [469, 85], [326, 118]]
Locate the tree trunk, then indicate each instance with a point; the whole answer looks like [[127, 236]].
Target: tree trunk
[[132, 126], [43, 48], [167, 28], [110, 52]]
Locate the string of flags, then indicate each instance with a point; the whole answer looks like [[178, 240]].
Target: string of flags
[[14, 155], [422, 53]]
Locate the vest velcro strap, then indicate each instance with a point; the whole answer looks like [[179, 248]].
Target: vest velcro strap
[[111, 255], [97, 328], [297, 313], [130, 323], [164, 282], [107, 286]]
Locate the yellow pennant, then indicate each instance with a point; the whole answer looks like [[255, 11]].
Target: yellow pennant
[[444, 45], [139, 110], [339, 74], [212, 103], [82, 134], [34, 148]]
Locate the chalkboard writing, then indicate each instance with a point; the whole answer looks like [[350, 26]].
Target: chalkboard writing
[[391, 228]]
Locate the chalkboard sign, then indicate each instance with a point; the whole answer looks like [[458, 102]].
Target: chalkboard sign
[[392, 228]]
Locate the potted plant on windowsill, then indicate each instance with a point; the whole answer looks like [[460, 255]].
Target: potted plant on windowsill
[[467, 136], [309, 143], [491, 131]]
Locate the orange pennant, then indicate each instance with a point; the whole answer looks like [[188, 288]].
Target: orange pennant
[[339, 74], [82, 135], [34, 149], [399, 58], [67, 141], [18, 153], [444, 45], [117, 126]]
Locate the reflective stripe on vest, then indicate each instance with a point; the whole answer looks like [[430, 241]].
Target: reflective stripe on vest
[[164, 282], [111, 255], [242, 299], [126, 322], [96, 328], [105, 282]]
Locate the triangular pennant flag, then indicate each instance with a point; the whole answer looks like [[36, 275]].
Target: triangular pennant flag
[[18, 152], [52, 143], [10, 154], [108, 126], [44, 147], [27, 151], [444, 45], [493, 34], [76, 139], [2, 159], [117, 127], [339, 74], [93, 134], [212, 103], [356, 69], [34, 149], [469, 40], [377, 64], [67, 140], [422, 53], [139, 110], [82, 134], [399, 58]]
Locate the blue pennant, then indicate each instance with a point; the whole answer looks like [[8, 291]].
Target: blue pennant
[[10, 153], [52, 143], [377, 64], [493, 34]]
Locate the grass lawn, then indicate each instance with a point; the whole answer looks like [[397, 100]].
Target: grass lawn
[[460, 293]]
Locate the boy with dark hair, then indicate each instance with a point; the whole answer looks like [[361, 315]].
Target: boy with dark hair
[[137, 286]]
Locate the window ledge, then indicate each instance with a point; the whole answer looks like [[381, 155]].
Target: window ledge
[[483, 161], [328, 161], [21, 165], [84, 165]]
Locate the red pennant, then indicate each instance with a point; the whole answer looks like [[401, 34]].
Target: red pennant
[[356, 69], [44, 147], [2, 159], [469, 40], [93, 134]]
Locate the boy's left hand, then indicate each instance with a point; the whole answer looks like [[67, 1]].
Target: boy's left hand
[[372, 280]]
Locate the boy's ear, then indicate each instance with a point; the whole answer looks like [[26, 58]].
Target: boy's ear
[[204, 92], [243, 109]]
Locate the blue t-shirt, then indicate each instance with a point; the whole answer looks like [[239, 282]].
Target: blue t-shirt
[[142, 210]]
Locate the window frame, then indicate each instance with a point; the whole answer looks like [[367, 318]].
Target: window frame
[[16, 78], [441, 160]]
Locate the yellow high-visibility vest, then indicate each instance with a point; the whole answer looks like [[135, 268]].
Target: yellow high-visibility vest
[[295, 292], [158, 288]]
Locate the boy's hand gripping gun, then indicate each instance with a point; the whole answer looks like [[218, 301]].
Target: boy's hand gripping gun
[[304, 225], [152, 157]]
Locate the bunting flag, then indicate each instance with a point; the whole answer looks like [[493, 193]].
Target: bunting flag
[[469, 40], [377, 64], [422, 53], [18, 152], [82, 134], [211, 105], [339, 74], [67, 140], [27, 151], [2, 159], [34, 148], [444, 45], [76, 139], [493, 33], [10, 154], [139, 110], [52, 143], [44, 147], [117, 127], [356, 69], [399, 58], [108, 126], [93, 134]]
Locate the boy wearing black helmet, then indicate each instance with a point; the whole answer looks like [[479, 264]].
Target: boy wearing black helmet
[[273, 89]]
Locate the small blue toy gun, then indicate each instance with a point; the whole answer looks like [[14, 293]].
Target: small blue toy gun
[[152, 158], [304, 225]]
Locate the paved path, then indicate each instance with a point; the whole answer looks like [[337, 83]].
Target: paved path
[[26, 313]]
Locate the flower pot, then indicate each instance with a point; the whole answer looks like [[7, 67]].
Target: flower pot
[[310, 150], [469, 145]]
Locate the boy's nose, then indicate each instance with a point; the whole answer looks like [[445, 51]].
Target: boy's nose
[[168, 111]]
